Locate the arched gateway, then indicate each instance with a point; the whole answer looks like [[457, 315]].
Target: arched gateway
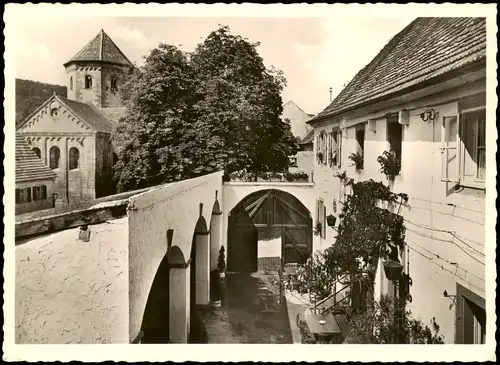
[[263, 221]]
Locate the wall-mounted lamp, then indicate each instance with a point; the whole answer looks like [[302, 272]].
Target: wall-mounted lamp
[[330, 220], [428, 115], [454, 297]]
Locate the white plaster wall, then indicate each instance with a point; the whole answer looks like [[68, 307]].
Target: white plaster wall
[[445, 264], [69, 291], [172, 206]]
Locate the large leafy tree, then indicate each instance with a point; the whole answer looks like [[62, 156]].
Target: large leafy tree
[[189, 114], [159, 99]]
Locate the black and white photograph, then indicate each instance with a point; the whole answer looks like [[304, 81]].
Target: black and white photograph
[[250, 174]]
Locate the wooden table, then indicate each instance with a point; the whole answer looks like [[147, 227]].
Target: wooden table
[[327, 330]]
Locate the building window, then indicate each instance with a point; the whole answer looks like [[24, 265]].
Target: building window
[[321, 216], [334, 148], [321, 147], [360, 141], [37, 152], [463, 148], [74, 158], [40, 192], [71, 83], [88, 82], [395, 136], [23, 195], [470, 321], [114, 84], [55, 155]]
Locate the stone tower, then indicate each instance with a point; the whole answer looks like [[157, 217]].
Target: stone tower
[[97, 72]]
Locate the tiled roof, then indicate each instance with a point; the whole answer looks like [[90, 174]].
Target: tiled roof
[[103, 49], [426, 48], [28, 166], [308, 138], [90, 115]]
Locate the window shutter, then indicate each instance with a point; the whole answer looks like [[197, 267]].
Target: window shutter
[[28, 193], [450, 154], [324, 221], [44, 191], [317, 210], [339, 142], [18, 199]]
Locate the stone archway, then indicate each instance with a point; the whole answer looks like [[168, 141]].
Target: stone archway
[[268, 218]]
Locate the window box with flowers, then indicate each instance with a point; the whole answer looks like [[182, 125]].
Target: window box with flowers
[[357, 160]]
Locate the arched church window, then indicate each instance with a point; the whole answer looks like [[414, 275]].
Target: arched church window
[[37, 152], [55, 155], [114, 84], [71, 83], [74, 158], [88, 82]]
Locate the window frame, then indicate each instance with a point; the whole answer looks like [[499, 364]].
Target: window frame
[[71, 159], [389, 122], [88, 82], [58, 165], [71, 83], [462, 296], [114, 80], [460, 147]]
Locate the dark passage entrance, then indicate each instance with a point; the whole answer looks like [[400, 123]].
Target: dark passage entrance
[[267, 215]]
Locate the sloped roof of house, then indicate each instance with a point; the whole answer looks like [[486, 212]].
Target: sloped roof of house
[[308, 137], [87, 113], [28, 166], [90, 115], [101, 49], [425, 49]]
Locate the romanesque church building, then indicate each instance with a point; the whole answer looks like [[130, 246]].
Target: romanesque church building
[[72, 136]]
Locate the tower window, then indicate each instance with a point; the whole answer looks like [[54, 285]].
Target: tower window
[[71, 83], [37, 152], [114, 84], [88, 82], [74, 158], [55, 155]]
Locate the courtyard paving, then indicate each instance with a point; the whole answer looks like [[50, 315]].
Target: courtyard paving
[[253, 311]]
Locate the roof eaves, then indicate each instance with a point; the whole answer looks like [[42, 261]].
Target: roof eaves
[[36, 111]]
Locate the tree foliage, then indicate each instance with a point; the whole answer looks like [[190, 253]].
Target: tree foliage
[[389, 322], [216, 108]]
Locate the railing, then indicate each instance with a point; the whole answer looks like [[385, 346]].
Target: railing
[[324, 300], [288, 177]]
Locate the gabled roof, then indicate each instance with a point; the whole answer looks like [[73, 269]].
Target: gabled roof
[[88, 114], [101, 49], [28, 166], [425, 49], [308, 138]]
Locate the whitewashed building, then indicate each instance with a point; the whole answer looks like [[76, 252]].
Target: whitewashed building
[[424, 96]]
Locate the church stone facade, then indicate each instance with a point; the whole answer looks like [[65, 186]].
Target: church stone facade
[[72, 136]]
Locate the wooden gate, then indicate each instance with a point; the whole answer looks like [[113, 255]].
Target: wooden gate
[[266, 210]]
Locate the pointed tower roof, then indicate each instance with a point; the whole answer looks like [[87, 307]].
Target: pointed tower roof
[[101, 49]]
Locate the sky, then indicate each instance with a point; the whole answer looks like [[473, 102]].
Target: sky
[[314, 53]]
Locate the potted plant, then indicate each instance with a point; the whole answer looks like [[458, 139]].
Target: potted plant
[[274, 176], [302, 176], [221, 263], [357, 160], [390, 165], [318, 229]]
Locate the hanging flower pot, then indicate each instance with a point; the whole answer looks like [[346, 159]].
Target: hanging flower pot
[[392, 269]]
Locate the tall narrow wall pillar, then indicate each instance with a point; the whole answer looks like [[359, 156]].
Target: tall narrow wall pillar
[[179, 304], [202, 269]]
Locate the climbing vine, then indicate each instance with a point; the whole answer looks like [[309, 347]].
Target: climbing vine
[[367, 229]]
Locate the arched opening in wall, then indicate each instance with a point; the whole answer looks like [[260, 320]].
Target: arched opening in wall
[[37, 151], [74, 158], [55, 155], [199, 280], [267, 229], [156, 319], [71, 83], [88, 82]]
